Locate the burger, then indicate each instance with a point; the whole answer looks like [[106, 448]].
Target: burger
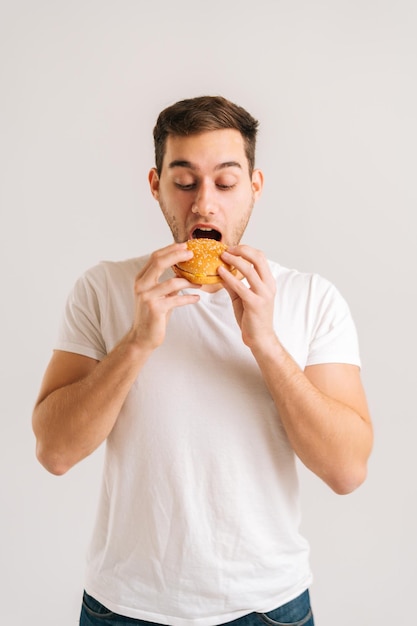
[[201, 269]]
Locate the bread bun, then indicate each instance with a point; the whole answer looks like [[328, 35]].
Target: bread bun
[[201, 269]]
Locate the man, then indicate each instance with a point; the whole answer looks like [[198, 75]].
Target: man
[[204, 395]]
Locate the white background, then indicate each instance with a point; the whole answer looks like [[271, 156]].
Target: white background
[[333, 84]]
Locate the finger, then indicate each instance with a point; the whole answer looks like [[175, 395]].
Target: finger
[[236, 287], [161, 260], [255, 258], [164, 289], [230, 289], [246, 269]]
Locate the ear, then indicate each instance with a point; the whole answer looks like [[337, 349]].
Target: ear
[[153, 179], [257, 183]]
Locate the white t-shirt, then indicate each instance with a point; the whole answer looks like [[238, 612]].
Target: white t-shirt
[[198, 519]]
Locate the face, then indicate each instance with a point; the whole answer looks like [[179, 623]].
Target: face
[[205, 189]]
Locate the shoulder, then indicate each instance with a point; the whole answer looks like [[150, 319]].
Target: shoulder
[[300, 282], [308, 294], [115, 269], [111, 274]]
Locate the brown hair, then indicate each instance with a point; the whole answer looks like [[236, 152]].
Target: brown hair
[[204, 113]]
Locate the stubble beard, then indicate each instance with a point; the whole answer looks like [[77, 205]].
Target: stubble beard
[[181, 237]]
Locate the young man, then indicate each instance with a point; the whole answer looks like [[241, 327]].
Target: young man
[[204, 395]]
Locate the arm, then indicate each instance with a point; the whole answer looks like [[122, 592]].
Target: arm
[[80, 398], [325, 416], [323, 409]]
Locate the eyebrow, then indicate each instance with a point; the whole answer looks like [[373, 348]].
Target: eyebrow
[[191, 166]]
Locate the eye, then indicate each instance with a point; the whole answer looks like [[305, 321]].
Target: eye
[[185, 186], [225, 187], [226, 182]]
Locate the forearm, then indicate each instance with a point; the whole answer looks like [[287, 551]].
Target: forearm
[[73, 420], [330, 437]]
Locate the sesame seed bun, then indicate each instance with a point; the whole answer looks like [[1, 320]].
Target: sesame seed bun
[[201, 269]]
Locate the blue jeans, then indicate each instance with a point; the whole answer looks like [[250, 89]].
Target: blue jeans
[[295, 613]]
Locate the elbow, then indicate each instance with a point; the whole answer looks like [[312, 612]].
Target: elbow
[[349, 474], [345, 482], [47, 452], [54, 463]]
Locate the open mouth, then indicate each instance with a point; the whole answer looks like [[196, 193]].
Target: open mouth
[[207, 233]]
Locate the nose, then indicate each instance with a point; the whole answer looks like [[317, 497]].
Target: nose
[[205, 201]]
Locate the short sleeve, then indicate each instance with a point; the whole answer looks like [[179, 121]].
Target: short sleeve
[[80, 328], [334, 338]]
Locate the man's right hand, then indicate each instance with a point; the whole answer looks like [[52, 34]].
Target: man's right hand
[[155, 300]]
